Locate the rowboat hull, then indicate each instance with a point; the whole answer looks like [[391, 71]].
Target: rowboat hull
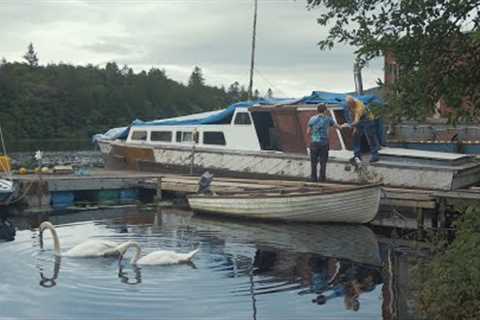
[[358, 205]]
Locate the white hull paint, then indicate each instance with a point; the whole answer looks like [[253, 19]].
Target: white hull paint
[[358, 205], [271, 163], [353, 242]]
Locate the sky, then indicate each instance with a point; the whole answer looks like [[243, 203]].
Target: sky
[[177, 35]]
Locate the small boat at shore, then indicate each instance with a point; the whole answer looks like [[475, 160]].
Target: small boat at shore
[[343, 204]]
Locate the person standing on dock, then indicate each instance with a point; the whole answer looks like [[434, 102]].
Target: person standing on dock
[[318, 129], [363, 125]]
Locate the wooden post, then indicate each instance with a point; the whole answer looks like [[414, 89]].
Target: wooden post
[[158, 197], [195, 137], [420, 222], [192, 162], [39, 189], [442, 216]]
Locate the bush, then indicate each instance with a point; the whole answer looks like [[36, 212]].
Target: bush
[[450, 282]]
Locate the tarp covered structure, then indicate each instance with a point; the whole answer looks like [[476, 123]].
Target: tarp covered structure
[[220, 116]]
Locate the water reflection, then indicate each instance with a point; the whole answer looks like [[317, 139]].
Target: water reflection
[[249, 269], [124, 275], [49, 282]]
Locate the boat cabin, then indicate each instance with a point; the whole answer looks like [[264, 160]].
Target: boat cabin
[[261, 127]]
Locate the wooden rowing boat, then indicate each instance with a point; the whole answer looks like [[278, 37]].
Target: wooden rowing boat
[[345, 204]]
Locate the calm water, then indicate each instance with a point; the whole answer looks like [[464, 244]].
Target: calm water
[[243, 271]]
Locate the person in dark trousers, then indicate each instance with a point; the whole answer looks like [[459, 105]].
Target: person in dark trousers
[[318, 128], [363, 124]]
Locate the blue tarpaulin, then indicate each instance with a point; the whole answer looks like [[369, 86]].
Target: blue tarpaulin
[[336, 98], [217, 117]]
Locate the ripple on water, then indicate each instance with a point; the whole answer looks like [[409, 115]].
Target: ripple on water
[[222, 282]]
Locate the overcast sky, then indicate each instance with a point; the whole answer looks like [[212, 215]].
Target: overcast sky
[[177, 35]]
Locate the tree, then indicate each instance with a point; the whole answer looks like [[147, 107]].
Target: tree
[[196, 78], [269, 93], [256, 94], [436, 44], [31, 56]]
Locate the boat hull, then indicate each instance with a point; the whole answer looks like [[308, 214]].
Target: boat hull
[[425, 173], [359, 205]]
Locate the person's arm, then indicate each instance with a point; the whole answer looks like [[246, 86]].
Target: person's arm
[[334, 124]]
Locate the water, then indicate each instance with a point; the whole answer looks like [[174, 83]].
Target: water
[[244, 270]]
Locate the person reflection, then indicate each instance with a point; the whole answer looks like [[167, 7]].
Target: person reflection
[[349, 280], [49, 282]]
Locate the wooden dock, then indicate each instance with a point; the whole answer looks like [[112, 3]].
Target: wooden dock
[[36, 190]]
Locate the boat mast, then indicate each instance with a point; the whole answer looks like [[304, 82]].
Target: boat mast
[[357, 77], [252, 59]]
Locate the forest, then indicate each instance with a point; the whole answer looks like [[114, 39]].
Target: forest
[[64, 101]]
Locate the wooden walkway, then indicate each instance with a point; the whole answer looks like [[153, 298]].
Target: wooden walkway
[[100, 179]]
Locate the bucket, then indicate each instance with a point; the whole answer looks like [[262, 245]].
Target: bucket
[[128, 196], [62, 199], [5, 164]]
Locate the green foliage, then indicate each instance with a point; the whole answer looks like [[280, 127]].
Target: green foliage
[[62, 101], [31, 56], [435, 42], [450, 283]]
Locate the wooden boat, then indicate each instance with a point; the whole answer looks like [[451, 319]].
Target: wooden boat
[[253, 139], [357, 204]]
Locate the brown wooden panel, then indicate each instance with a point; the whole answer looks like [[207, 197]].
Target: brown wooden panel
[[289, 130], [132, 155]]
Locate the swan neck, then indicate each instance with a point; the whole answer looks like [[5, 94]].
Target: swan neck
[[56, 241], [138, 252]]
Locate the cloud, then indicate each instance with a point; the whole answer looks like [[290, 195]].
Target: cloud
[[178, 35]]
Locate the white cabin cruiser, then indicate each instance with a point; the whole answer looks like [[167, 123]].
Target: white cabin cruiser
[[268, 137]]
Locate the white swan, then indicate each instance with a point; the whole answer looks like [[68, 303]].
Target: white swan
[[89, 248], [160, 257]]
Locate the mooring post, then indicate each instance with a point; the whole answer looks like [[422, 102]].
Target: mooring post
[[39, 190], [158, 197], [442, 213], [195, 136], [420, 222]]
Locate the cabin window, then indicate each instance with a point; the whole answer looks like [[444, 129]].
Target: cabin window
[[139, 135], [184, 136], [242, 118], [165, 136], [212, 137]]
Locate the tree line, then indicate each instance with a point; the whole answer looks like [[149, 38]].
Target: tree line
[[74, 102]]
